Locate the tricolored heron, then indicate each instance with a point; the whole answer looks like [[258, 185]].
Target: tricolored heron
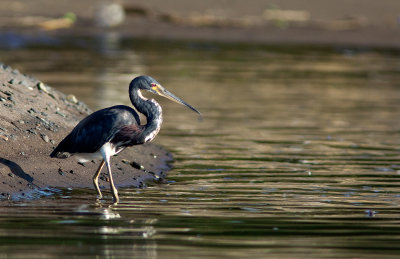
[[107, 132]]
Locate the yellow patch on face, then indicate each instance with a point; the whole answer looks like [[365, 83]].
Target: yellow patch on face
[[155, 88]]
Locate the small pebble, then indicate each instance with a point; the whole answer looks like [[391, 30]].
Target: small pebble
[[125, 161], [42, 87], [45, 138], [61, 114], [32, 110], [72, 98], [32, 131], [8, 93], [137, 166], [156, 177], [11, 99]]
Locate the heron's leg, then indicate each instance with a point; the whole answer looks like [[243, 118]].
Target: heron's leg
[[112, 186], [106, 151], [96, 179]]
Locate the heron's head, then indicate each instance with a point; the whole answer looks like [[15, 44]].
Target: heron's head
[[150, 84]]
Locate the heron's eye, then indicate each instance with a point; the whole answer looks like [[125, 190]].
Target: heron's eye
[[154, 86]]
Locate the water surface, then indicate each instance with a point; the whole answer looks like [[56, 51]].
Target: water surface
[[297, 155]]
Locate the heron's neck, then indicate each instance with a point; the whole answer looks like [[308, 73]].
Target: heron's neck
[[151, 110]]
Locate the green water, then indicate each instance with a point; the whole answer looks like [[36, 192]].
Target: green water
[[297, 155]]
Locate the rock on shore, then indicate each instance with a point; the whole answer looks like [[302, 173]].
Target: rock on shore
[[33, 119]]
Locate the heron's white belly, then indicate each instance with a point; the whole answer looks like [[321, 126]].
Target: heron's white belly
[[107, 149], [86, 157]]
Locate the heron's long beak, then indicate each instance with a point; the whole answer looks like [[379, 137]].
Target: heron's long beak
[[165, 93]]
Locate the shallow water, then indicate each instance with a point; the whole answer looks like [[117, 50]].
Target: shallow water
[[297, 155]]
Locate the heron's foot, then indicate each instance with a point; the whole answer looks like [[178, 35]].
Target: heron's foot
[[115, 195], [116, 199]]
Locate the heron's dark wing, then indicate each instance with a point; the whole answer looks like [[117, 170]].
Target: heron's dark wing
[[96, 129], [128, 135]]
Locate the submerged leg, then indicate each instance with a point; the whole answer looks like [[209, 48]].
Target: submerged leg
[[96, 179]]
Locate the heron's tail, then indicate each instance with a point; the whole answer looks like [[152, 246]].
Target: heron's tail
[[59, 151]]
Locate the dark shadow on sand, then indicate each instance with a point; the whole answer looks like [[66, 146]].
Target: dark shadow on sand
[[16, 169]]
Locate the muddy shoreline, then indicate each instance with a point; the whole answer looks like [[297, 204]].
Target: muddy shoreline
[[33, 119]]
